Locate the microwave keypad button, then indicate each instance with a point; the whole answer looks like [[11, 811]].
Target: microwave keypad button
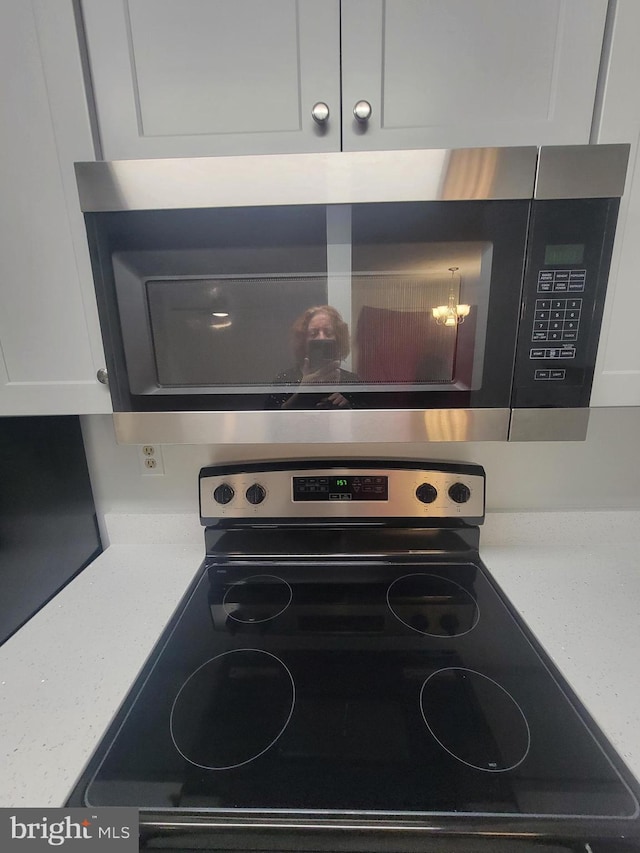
[[556, 320], [553, 352], [551, 375], [561, 281]]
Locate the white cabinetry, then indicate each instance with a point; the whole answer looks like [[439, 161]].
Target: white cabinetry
[[179, 78], [465, 73], [50, 345], [184, 78], [617, 378]]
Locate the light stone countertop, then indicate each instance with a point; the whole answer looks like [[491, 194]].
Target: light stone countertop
[[574, 576]]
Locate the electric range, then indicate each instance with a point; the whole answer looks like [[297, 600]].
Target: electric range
[[345, 674]]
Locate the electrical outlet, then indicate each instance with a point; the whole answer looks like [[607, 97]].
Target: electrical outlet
[[151, 461]]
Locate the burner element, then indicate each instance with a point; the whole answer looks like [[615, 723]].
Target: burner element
[[232, 709], [258, 598], [433, 605], [475, 719]]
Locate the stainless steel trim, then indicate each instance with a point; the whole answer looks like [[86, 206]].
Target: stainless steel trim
[[330, 178], [312, 427], [549, 424], [239, 558], [401, 503], [581, 171]]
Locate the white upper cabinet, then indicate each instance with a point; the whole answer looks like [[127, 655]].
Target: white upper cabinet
[[50, 346], [459, 73], [617, 377], [182, 78], [176, 78]]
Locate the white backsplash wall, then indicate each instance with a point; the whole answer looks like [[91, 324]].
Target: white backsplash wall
[[602, 472]]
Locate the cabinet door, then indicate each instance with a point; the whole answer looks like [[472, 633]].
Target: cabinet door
[[50, 345], [458, 73], [617, 377], [181, 78]]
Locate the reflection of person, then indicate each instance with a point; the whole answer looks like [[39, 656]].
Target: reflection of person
[[320, 323]]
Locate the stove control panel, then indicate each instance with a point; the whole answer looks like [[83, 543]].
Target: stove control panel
[[442, 491]]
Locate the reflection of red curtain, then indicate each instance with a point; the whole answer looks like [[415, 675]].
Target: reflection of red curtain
[[390, 344]]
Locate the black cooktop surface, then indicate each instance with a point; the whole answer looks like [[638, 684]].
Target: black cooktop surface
[[386, 686]]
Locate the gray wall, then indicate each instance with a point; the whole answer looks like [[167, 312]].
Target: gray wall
[[602, 472]]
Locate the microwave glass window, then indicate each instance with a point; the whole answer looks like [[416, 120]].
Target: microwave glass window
[[396, 337], [411, 329], [231, 304], [227, 332], [419, 313]]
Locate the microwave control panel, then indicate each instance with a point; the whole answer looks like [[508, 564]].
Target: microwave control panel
[[564, 288]]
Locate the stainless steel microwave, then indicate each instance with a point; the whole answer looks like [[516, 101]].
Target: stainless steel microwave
[[394, 296]]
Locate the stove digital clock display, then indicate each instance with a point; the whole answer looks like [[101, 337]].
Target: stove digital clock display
[[364, 487]]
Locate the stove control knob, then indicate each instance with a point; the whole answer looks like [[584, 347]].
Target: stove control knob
[[256, 494], [459, 493], [426, 493], [223, 493]]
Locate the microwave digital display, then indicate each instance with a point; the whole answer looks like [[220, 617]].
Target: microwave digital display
[[564, 254]]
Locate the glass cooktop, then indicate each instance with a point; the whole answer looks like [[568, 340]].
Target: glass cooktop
[[390, 687]]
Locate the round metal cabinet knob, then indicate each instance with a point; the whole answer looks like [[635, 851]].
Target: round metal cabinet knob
[[320, 113], [102, 376], [362, 111]]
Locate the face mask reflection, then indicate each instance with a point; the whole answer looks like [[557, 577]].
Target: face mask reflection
[[320, 342]]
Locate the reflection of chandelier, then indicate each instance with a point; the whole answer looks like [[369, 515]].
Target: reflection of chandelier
[[452, 313]]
